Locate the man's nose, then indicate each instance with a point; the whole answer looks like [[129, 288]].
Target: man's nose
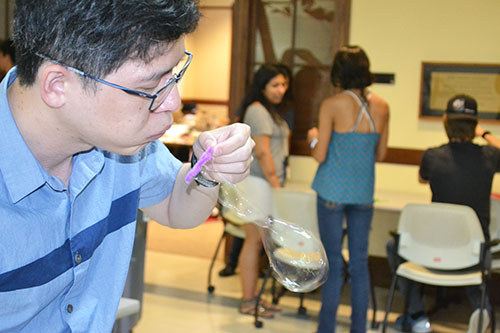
[[172, 102]]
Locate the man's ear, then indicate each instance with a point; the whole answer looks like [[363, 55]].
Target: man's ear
[[54, 84]]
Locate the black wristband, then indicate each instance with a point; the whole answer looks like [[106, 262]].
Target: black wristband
[[199, 179], [485, 133]]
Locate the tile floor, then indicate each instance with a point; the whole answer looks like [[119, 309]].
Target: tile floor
[[176, 298]]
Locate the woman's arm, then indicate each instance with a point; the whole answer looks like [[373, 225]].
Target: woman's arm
[[265, 159], [384, 136], [323, 132]]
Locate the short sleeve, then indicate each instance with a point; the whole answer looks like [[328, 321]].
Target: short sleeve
[[259, 120], [496, 153], [159, 169], [424, 166]]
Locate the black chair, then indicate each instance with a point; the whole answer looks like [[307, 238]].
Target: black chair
[[231, 228]]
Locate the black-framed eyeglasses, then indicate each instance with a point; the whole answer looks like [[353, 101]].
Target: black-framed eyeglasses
[[156, 99]]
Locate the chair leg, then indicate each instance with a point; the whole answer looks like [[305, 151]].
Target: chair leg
[[211, 288], [274, 292], [389, 302], [302, 310], [492, 304], [493, 321], [257, 322], [278, 293], [483, 300]]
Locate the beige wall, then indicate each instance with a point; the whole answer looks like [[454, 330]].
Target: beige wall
[[3, 27], [208, 76], [398, 36], [6, 10]]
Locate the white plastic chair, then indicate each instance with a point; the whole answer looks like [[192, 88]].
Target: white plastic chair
[[495, 223], [302, 169], [257, 192], [444, 246], [298, 207], [495, 238], [127, 307], [233, 226]]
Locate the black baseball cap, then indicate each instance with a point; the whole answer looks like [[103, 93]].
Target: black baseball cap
[[462, 106]]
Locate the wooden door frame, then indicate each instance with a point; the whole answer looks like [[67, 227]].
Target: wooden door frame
[[245, 25]]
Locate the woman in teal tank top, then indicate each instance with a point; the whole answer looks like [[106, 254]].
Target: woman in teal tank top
[[352, 135]]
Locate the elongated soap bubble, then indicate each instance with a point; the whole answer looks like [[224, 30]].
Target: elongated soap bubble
[[296, 255]]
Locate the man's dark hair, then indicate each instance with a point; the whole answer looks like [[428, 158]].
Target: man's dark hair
[[7, 48], [351, 69], [97, 36], [460, 130]]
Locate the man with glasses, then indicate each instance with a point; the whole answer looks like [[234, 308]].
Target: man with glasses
[[80, 115]]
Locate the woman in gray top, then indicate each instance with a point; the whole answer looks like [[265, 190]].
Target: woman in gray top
[[263, 109]]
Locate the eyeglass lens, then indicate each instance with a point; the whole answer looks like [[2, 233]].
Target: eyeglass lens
[[165, 91]]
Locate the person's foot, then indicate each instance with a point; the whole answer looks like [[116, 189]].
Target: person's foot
[[215, 212], [247, 307], [270, 306], [227, 271], [474, 321], [418, 325]]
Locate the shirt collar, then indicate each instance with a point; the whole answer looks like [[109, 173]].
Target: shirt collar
[[21, 172]]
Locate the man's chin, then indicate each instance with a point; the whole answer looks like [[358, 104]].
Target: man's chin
[[130, 151]]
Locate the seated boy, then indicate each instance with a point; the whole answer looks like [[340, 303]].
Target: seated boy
[[459, 172]]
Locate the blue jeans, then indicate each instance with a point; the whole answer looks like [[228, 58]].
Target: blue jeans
[[358, 220]]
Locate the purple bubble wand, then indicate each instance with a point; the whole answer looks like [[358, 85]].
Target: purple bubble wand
[[207, 156]]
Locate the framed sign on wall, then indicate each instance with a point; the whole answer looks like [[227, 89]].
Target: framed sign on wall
[[441, 81]]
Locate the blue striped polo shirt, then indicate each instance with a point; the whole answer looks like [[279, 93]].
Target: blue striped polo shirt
[[65, 251]]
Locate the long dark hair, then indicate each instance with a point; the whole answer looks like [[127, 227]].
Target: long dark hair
[[256, 93], [351, 69]]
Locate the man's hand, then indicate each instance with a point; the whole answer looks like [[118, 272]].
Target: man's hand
[[312, 134], [479, 131], [232, 153]]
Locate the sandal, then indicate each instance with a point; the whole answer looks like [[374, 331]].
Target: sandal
[[247, 307], [270, 306]]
